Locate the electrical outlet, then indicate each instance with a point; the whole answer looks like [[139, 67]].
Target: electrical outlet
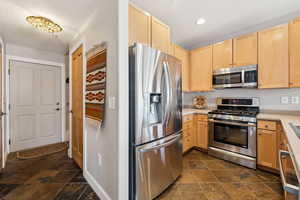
[[295, 100], [99, 159], [284, 100]]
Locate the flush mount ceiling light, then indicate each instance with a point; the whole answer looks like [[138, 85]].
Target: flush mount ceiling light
[[44, 24], [200, 21]]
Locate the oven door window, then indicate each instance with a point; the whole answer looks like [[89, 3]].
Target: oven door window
[[231, 134], [231, 78]]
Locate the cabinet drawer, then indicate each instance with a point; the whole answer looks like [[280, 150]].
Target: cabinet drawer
[[187, 118], [187, 125], [187, 133], [202, 118], [268, 125]]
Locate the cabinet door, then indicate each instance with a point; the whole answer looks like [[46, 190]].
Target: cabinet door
[[160, 33], [245, 50], [139, 26], [202, 135], [267, 148], [187, 139], [184, 56], [294, 49], [201, 69], [273, 59], [222, 54]]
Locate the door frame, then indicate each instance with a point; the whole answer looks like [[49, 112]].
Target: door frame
[[7, 89], [81, 42], [3, 149]]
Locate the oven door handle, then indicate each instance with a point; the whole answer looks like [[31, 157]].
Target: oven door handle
[[287, 187], [231, 123]]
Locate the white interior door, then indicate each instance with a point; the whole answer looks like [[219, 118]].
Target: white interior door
[[35, 105]]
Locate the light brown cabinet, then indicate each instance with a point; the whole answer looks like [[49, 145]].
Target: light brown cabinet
[[222, 54], [294, 49], [267, 148], [139, 26], [273, 58], [183, 55], [188, 133], [270, 139], [201, 133], [245, 50], [195, 131], [160, 35], [146, 29], [201, 69]]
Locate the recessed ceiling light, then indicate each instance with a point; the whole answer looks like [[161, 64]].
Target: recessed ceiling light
[[200, 21]]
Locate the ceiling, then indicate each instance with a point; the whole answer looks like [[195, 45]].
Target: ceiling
[[70, 14], [224, 18]]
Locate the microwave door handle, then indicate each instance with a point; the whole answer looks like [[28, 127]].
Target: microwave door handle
[[231, 123], [286, 186], [243, 76]]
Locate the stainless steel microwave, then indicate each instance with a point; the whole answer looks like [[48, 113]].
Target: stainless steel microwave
[[235, 77]]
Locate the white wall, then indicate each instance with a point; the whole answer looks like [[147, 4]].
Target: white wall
[[110, 180], [269, 98], [26, 52]]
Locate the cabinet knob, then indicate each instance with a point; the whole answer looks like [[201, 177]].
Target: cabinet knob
[[266, 126]]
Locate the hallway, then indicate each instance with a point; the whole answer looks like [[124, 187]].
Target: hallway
[[53, 177]]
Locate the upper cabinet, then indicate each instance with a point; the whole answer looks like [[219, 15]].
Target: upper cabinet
[[146, 29], [222, 54], [201, 69], [184, 56], [273, 59], [160, 35], [139, 26], [245, 50], [294, 49]]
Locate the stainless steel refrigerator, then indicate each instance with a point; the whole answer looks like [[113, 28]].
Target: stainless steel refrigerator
[[155, 121]]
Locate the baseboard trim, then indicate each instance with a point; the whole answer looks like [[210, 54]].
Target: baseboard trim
[[96, 187]]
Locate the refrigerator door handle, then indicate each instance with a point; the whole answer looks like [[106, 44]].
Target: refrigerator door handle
[[167, 143], [168, 85]]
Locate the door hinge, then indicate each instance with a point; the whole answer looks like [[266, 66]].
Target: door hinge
[[9, 142], [8, 71], [9, 106]]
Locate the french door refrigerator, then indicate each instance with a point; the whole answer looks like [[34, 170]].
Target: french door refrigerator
[[155, 119]]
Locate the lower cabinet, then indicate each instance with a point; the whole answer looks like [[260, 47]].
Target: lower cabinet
[[195, 132], [201, 132], [267, 148], [270, 139], [188, 132]]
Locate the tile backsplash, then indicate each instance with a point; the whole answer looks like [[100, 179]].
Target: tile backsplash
[[269, 98]]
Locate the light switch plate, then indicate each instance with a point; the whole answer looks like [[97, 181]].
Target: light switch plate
[[284, 100], [99, 159], [112, 102], [295, 100]]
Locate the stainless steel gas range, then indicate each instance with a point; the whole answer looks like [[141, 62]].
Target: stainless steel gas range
[[232, 130]]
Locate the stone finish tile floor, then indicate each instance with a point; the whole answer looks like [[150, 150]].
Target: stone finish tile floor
[[53, 177], [208, 178]]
